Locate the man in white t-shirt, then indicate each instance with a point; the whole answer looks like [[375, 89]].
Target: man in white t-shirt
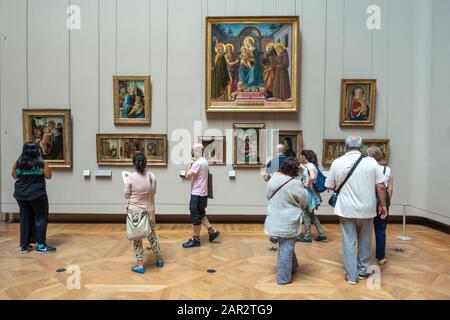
[[198, 172], [356, 206]]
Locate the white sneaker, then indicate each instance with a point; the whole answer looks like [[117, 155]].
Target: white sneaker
[[350, 281], [382, 261]]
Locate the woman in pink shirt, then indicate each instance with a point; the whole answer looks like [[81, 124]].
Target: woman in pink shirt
[[140, 189]]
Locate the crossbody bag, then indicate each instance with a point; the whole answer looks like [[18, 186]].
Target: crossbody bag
[[138, 223], [334, 196], [278, 189]]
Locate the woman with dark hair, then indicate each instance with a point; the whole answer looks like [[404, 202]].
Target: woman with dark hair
[[288, 150], [310, 171], [287, 200], [30, 172], [140, 189]]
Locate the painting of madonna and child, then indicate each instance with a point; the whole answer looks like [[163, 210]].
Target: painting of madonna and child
[[251, 64], [358, 99], [50, 129], [132, 100]]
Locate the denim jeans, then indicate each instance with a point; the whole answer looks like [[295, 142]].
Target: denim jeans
[[380, 237], [287, 260]]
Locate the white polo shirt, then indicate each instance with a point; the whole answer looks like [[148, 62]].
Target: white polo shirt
[[357, 198]]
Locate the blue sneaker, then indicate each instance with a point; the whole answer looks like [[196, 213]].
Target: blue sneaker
[[160, 263], [140, 270], [44, 249]]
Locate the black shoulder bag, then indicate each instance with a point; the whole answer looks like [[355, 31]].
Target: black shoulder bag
[[333, 198]]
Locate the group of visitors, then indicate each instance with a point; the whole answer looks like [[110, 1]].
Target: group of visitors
[[292, 196], [363, 189]]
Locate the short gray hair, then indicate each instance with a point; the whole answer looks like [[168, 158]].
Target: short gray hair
[[279, 149], [353, 142]]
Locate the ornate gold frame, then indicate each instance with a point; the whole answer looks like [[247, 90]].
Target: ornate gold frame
[[326, 142], [370, 122], [299, 134], [147, 101], [294, 21], [128, 162], [27, 114], [224, 149], [257, 126]]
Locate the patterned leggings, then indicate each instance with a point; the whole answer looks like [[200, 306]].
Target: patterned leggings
[[154, 244]]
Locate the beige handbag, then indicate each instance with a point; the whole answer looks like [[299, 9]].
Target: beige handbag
[[138, 224]]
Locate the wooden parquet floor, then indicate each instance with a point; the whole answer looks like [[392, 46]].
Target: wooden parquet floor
[[245, 266]]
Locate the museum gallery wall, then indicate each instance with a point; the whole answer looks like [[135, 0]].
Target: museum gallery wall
[[138, 70]]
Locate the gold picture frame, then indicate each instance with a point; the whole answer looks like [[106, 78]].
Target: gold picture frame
[[358, 102], [215, 149], [293, 146], [334, 148], [244, 145], [118, 149], [135, 114], [228, 88], [51, 129]]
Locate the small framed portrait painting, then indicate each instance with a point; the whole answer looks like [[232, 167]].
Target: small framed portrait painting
[[358, 103], [214, 149], [292, 141], [249, 145]]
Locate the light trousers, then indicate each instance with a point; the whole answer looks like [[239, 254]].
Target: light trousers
[[356, 246]]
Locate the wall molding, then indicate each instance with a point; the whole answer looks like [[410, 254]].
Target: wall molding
[[214, 218]]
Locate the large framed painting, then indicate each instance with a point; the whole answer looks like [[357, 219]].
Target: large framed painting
[[214, 149], [358, 103], [334, 148], [51, 130], [249, 145], [252, 64], [292, 141], [132, 100], [119, 149]]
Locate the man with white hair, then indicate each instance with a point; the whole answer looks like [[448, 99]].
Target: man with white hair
[[198, 172], [356, 206], [274, 165]]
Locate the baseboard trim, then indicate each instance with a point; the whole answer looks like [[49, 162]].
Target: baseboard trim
[[218, 218]]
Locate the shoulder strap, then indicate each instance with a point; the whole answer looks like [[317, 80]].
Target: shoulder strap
[[350, 173], [278, 189], [150, 179]]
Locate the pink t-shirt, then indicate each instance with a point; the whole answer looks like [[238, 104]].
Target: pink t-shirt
[[139, 192], [200, 179]]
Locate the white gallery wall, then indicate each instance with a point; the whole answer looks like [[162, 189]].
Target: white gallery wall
[[44, 65]]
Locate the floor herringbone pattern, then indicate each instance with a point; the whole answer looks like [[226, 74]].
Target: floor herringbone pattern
[[242, 257]]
